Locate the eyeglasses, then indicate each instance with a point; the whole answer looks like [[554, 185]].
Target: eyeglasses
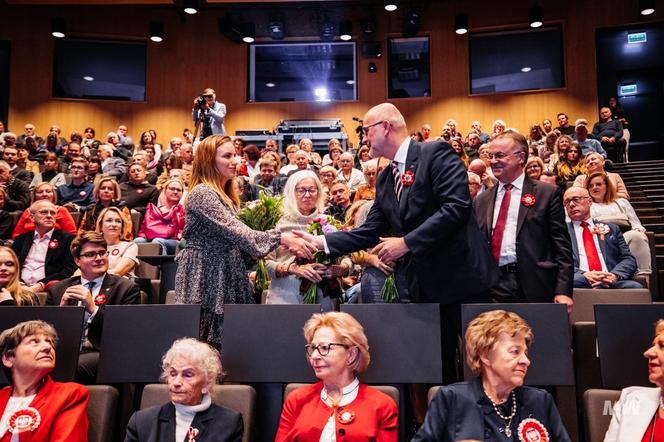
[[310, 191], [345, 161], [499, 155], [323, 349], [45, 212], [576, 200], [365, 129], [98, 253], [77, 168]]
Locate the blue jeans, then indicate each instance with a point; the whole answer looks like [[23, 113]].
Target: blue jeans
[[168, 246]]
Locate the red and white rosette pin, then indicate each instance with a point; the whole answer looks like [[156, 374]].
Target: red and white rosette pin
[[408, 178], [27, 419], [345, 416], [115, 252], [528, 200], [532, 430], [139, 191], [192, 433], [82, 193], [53, 244], [100, 299]]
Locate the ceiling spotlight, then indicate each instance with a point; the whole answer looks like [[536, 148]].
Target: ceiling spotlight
[[58, 27], [88, 78], [461, 24], [327, 31], [647, 7], [346, 30], [535, 16], [270, 84], [372, 68], [526, 69], [411, 23], [350, 82], [190, 6], [156, 31], [248, 32], [277, 30], [390, 6]]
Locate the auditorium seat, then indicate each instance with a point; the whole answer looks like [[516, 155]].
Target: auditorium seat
[[145, 270], [170, 297], [392, 392], [585, 300], [136, 220], [241, 398], [101, 412], [597, 410], [42, 297]]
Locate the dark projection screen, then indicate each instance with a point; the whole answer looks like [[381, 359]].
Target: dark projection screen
[[302, 72], [509, 61], [99, 70]]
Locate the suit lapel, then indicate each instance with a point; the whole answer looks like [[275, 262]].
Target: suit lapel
[[411, 166], [528, 188], [388, 199], [107, 287], [167, 422], [489, 214], [575, 246], [201, 422], [50, 252], [602, 247]]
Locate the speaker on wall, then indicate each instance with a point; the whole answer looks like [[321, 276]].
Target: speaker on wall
[[372, 49]]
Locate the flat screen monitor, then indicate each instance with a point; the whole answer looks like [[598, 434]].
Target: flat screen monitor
[[99, 69], [321, 71], [521, 60]]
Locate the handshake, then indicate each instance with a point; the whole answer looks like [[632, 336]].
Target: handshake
[[304, 245]]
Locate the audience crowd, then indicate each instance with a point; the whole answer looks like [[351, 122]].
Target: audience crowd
[[73, 213]]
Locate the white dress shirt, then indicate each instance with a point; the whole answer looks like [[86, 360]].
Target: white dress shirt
[[583, 258], [349, 394], [508, 246], [34, 266]]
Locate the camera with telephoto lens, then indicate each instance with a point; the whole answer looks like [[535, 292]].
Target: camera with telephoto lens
[[200, 102]]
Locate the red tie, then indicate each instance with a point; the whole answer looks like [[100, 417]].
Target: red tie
[[499, 230], [591, 251]]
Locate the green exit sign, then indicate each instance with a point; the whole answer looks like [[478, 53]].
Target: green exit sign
[[637, 37], [628, 89]]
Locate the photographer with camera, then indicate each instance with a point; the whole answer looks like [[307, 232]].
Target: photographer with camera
[[208, 114]]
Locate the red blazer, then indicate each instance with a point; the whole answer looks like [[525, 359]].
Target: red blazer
[[63, 221], [62, 407], [304, 416]]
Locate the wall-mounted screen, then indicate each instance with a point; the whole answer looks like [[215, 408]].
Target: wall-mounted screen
[[509, 61], [323, 71], [409, 67], [99, 69]]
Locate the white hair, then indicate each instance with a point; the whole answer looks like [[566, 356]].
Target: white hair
[[290, 201], [202, 356]]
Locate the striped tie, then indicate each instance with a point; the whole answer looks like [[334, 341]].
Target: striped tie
[[398, 185]]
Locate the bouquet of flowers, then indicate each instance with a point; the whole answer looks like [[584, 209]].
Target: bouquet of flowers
[[330, 287], [262, 214]]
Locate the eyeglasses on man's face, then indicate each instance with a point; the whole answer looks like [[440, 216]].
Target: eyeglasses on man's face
[[323, 349], [575, 200], [95, 254], [365, 129]]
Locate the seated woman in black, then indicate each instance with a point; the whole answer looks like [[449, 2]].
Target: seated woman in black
[[495, 406]]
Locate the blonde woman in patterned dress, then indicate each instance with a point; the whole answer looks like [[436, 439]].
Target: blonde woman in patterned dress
[[212, 269]]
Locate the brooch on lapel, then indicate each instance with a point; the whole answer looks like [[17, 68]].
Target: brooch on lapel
[[27, 419], [191, 434], [139, 191], [528, 200], [408, 178], [532, 430], [345, 416], [53, 244], [601, 230], [100, 299], [82, 193]]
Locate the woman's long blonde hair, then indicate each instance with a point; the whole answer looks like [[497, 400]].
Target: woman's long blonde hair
[[14, 285], [204, 170]]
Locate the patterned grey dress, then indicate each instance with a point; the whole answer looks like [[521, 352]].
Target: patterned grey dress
[[212, 269]]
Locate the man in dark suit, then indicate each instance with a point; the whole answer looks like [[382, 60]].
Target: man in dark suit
[[423, 204], [601, 255], [94, 289], [44, 254], [527, 232]]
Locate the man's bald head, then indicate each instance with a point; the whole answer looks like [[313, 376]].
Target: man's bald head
[[477, 166], [386, 112], [384, 130]]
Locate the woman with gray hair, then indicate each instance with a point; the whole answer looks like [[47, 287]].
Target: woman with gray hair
[[190, 368], [303, 202], [347, 173]]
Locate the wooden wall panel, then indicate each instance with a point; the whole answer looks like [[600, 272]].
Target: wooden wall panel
[[194, 56]]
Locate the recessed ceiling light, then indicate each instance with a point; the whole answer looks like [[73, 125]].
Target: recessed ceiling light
[[270, 85], [526, 69], [350, 81], [390, 6], [88, 78]]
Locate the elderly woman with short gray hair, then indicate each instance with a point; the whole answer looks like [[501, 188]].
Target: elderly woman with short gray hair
[[349, 174], [190, 368]]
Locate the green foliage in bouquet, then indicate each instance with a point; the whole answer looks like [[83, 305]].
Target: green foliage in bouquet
[[320, 226]]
